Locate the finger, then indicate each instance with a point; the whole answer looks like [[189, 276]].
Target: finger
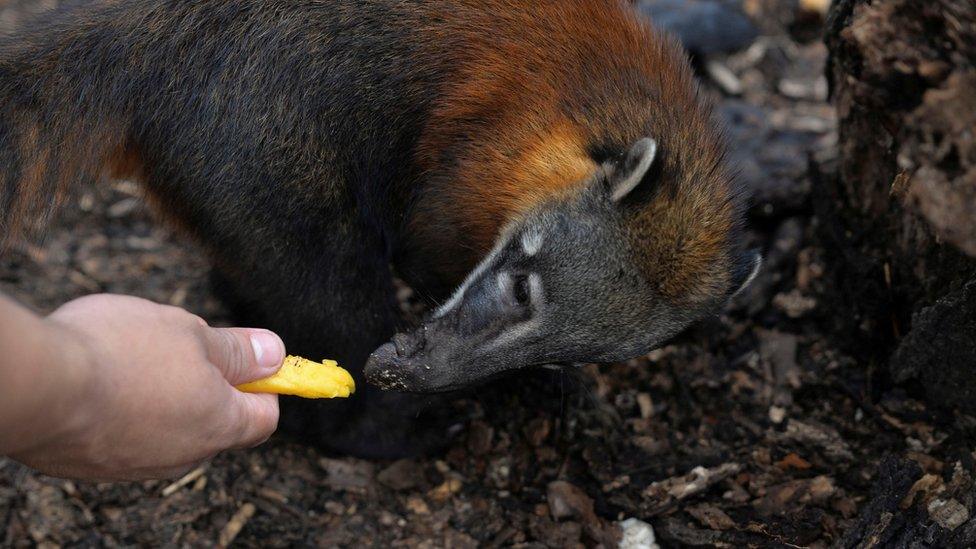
[[257, 419], [244, 354]]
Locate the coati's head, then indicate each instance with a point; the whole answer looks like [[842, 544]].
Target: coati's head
[[574, 138], [604, 273]]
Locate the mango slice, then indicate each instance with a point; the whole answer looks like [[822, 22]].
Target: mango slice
[[305, 378]]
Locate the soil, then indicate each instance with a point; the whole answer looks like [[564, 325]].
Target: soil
[[758, 427]]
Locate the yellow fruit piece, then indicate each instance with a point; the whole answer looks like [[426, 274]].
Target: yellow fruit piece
[[305, 378]]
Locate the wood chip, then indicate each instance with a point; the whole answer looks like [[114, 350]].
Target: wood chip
[[928, 484], [448, 488], [819, 436], [123, 207], [187, 479], [787, 497], [236, 524], [950, 514], [417, 506], [793, 461], [646, 404], [663, 494], [711, 516], [273, 495], [354, 476], [724, 78]]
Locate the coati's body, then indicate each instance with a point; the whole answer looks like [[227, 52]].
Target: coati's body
[[311, 144]]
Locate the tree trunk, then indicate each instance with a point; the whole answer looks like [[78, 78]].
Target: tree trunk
[[901, 211]]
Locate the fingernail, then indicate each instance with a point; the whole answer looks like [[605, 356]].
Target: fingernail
[[269, 351]]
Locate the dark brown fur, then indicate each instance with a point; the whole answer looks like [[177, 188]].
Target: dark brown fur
[[311, 144]]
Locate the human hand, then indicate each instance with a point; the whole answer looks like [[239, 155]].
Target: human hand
[[159, 394]]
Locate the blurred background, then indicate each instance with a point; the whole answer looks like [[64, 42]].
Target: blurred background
[[832, 404]]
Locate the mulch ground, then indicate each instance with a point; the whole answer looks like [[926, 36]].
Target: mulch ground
[[753, 428]]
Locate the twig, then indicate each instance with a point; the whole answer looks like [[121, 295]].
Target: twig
[[236, 524], [187, 479]]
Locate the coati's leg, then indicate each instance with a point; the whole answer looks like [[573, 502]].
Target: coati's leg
[[331, 296]]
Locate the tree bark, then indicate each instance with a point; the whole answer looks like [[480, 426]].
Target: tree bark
[[901, 211]]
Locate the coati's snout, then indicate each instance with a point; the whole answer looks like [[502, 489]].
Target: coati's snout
[[484, 330], [571, 281]]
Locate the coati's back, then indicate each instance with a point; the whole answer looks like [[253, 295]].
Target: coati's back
[[181, 93], [440, 135], [567, 85]]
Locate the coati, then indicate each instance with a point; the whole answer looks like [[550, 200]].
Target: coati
[[545, 172]]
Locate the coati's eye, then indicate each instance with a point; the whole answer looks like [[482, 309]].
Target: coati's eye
[[521, 290]]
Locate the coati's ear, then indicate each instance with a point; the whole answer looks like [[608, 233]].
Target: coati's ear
[[632, 168], [746, 271]]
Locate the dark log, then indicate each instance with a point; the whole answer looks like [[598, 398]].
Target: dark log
[[901, 211]]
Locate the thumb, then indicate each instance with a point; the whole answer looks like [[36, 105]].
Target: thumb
[[244, 354], [258, 416]]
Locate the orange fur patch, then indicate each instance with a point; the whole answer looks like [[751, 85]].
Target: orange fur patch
[[536, 88], [124, 163]]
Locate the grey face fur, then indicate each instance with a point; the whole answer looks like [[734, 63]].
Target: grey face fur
[[559, 287]]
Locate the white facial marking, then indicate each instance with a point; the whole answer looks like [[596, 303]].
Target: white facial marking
[[756, 266], [531, 242], [503, 282], [512, 334], [522, 329], [500, 244], [535, 285], [647, 148]]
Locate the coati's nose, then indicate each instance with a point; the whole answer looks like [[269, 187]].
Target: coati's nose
[[407, 345], [388, 368]]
